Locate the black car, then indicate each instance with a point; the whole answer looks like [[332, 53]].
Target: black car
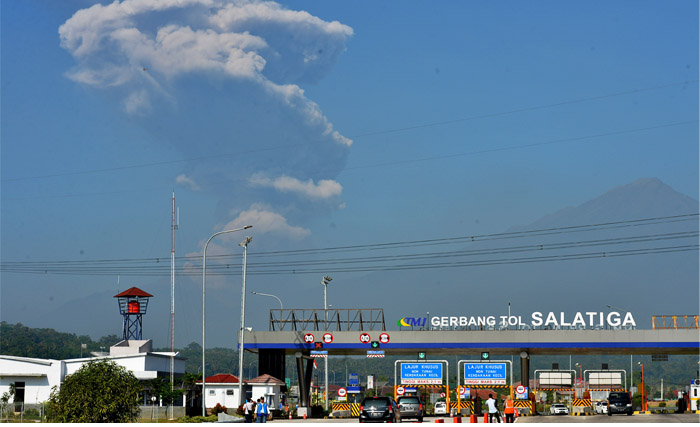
[[411, 407], [379, 409], [619, 403]]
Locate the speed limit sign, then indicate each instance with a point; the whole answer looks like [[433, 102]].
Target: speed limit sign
[[309, 338], [520, 389], [342, 392], [365, 338], [400, 390], [327, 338]]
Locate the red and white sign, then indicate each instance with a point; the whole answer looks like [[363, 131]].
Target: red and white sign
[[365, 338], [400, 390], [442, 395], [342, 392], [327, 338], [384, 338], [309, 338], [520, 389]]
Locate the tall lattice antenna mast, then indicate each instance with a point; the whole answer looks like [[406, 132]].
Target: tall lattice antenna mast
[[173, 226]]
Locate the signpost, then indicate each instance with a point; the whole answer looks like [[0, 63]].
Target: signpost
[[491, 372], [421, 373], [485, 374]]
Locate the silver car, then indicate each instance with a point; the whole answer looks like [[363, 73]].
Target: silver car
[[601, 407]]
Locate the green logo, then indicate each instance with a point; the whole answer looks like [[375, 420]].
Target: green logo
[[485, 355]]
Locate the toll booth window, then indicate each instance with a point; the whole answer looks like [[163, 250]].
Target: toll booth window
[[229, 392], [212, 392], [695, 391]]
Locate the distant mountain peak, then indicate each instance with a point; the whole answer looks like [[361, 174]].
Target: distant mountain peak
[[643, 198]]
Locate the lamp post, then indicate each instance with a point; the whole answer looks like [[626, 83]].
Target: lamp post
[[204, 312], [269, 295], [644, 392], [325, 281], [244, 244]]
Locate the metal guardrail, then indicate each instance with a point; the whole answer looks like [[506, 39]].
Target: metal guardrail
[[675, 322], [303, 319]]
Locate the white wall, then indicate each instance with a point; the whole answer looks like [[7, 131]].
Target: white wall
[[219, 395], [39, 376]]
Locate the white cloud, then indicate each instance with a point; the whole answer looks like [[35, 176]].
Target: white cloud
[[187, 182], [265, 221], [324, 189]]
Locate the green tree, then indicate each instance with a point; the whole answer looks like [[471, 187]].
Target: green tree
[[100, 391]]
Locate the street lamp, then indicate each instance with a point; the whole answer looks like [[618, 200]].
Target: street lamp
[[325, 281], [269, 295], [244, 244], [644, 392], [204, 312]]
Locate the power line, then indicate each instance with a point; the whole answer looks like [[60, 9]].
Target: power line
[[369, 263]]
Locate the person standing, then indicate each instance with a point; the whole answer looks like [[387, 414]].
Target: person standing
[[261, 411], [248, 409], [493, 410], [509, 410]]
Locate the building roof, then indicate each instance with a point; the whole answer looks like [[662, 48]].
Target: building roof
[[133, 292], [266, 379], [222, 379]]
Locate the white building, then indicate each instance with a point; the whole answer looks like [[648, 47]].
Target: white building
[[34, 378], [223, 389]]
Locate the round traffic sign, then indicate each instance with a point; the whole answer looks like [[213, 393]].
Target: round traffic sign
[[520, 389], [342, 392], [400, 390], [443, 395], [384, 338], [365, 338], [309, 338], [327, 338]]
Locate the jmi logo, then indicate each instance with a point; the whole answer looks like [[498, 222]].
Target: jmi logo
[[412, 321]]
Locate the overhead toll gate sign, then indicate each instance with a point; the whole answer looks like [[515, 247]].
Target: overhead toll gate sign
[[485, 373], [421, 373]]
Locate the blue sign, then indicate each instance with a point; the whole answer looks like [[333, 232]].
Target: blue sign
[[353, 379], [354, 389], [485, 373], [421, 373]]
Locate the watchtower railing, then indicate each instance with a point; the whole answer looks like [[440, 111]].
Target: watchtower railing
[[346, 319]]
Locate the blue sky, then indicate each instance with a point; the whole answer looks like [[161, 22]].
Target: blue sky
[[322, 124]]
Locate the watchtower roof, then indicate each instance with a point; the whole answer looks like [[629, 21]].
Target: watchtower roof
[[133, 292]]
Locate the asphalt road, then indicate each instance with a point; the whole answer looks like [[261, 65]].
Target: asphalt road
[[615, 419]]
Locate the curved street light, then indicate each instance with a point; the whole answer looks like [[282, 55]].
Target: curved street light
[[269, 295], [244, 244], [204, 318]]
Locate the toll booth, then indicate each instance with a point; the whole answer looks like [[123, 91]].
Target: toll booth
[[695, 395]]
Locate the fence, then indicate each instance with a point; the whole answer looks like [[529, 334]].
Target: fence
[[13, 412]]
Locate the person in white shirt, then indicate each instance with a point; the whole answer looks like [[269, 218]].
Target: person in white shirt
[[249, 406], [493, 410]]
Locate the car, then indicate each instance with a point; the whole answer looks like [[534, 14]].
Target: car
[[379, 409], [558, 408], [411, 407], [619, 402], [601, 407], [440, 408]]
